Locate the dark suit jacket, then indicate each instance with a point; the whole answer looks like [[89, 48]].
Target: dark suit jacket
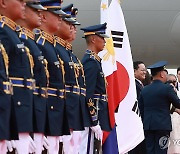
[[155, 100], [139, 88]]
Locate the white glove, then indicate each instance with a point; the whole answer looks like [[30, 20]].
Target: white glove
[[13, 143], [32, 146], [45, 142], [9, 146], [98, 132], [60, 138]]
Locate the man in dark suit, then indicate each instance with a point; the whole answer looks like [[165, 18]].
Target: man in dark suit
[[154, 101], [178, 77], [139, 74]]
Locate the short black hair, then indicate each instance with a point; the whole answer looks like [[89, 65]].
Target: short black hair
[[178, 69], [155, 71], [136, 64], [88, 39]]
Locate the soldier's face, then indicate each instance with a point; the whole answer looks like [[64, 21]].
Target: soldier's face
[[65, 30], [51, 20], [99, 42], [16, 9], [73, 33], [33, 17]]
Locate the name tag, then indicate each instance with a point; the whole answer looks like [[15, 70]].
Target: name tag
[[71, 63], [20, 46], [40, 58], [57, 63]]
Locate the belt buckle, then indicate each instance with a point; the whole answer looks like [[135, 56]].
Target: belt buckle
[[11, 87], [78, 89], [83, 91], [33, 84], [6, 87], [61, 93], [45, 92]]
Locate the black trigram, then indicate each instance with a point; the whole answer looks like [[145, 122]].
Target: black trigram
[[136, 108], [117, 38]]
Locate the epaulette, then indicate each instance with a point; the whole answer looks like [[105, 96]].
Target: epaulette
[[25, 33], [62, 42], [43, 37], [93, 55], [6, 21]]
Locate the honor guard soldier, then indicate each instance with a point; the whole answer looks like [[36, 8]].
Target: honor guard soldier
[[20, 70], [154, 103], [41, 74], [81, 78], [71, 77], [95, 83], [56, 122], [5, 104], [78, 115]]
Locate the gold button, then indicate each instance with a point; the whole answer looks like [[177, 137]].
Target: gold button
[[18, 103], [52, 107]]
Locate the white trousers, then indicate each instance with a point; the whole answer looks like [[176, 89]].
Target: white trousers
[[53, 144], [71, 143], [3, 147], [87, 141], [38, 140], [23, 144]]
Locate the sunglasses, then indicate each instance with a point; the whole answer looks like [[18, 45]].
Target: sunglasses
[[173, 82]]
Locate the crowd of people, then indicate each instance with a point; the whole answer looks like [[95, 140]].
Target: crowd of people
[[158, 100], [47, 95]]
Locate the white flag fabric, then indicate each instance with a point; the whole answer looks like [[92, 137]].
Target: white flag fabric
[[117, 59], [104, 11]]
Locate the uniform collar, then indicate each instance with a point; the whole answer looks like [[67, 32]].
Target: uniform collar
[[44, 36], [8, 22], [62, 42], [48, 37], [157, 81], [25, 33], [93, 55]]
